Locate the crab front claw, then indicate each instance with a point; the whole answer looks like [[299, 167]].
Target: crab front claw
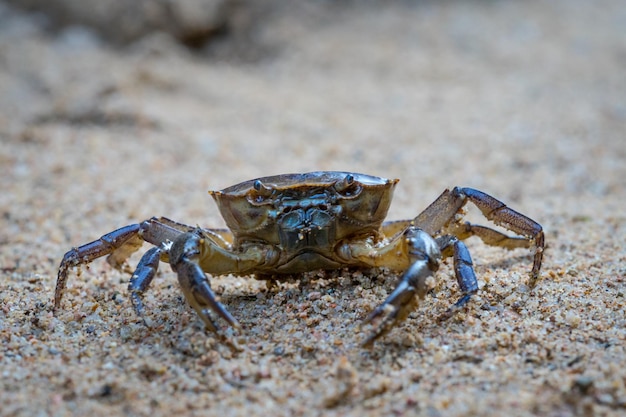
[[199, 294], [403, 300], [184, 256], [395, 309]]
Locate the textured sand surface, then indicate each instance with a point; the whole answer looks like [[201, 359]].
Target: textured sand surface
[[523, 100]]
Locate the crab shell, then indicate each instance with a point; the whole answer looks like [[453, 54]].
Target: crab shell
[[313, 209]]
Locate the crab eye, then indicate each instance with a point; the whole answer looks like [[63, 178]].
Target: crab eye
[[260, 193], [262, 189], [348, 186], [345, 183]]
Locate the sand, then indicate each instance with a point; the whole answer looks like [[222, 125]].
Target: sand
[[523, 100]]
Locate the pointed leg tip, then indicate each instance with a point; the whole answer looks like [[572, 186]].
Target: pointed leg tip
[[371, 316], [368, 343], [232, 322], [534, 279], [447, 315]]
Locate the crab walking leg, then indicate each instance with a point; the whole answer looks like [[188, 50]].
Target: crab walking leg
[[185, 255], [126, 236], [118, 245], [502, 215], [489, 236], [463, 270], [142, 277], [161, 230], [441, 217]]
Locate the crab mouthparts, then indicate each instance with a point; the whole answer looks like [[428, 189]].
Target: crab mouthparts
[[306, 228]]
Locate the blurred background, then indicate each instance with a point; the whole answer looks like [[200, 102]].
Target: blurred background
[[202, 94]]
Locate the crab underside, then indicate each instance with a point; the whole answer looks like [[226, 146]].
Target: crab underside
[[292, 223]]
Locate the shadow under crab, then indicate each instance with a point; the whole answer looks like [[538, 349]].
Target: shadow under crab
[[287, 224]]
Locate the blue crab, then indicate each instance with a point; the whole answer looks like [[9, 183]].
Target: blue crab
[[292, 223]]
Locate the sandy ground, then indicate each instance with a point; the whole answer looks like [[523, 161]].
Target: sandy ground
[[523, 100]]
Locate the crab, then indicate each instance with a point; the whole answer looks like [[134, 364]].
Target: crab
[[292, 223]]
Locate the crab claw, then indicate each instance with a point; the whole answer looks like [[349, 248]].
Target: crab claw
[[395, 309], [402, 301], [194, 283], [217, 308], [199, 294]]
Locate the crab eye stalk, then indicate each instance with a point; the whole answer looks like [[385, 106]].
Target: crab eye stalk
[[260, 193], [262, 189], [347, 186], [345, 183]]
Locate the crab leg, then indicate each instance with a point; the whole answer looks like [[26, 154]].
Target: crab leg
[[125, 237], [119, 245], [142, 277], [463, 270], [441, 217]]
